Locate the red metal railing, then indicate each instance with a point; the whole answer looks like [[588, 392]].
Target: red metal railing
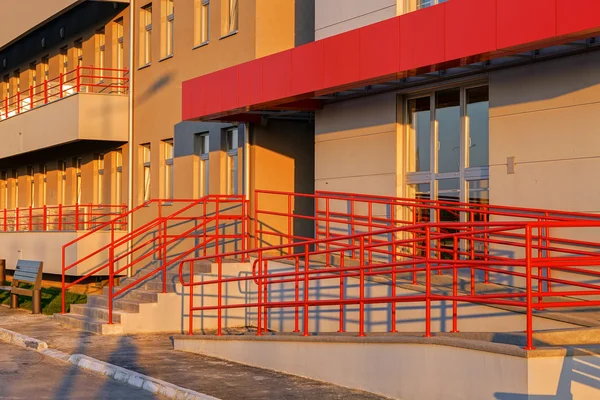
[[80, 80], [517, 250], [78, 217], [211, 224]]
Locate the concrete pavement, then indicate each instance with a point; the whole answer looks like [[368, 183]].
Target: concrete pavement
[[153, 355], [26, 374]]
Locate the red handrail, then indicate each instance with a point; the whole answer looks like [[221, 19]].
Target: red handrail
[[541, 251], [81, 79]]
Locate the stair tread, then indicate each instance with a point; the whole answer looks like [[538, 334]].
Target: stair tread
[[84, 318], [100, 307]]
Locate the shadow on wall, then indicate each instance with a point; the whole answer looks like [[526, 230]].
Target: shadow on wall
[[582, 371], [154, 88]]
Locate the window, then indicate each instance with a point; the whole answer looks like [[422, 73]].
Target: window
[[77, 165], [231, 136], [231, 17], [99, 178], [4, 189], [120, 44], [448, 145], [64, 60], [201, 21], [168, 159], [15, 195], [101, 37], [168, 12], [44, 183], [62, 166], [17, 80], [413, 5], [31, 181], [119, 177], [6, 83], [146, 157], [201, 150], [45, 66], [33, 74], [78, 45], [146, 35]]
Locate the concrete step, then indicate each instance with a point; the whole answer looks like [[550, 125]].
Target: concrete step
[[82, 322], [121, 304], [96, 312]]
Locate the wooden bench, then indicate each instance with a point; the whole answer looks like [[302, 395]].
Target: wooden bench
[[29, 272]]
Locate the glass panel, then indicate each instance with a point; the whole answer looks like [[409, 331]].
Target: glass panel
[[447, 104], [419, 120], [422, 191], [478, 112]]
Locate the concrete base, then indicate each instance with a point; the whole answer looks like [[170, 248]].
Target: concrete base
[[415, 368]]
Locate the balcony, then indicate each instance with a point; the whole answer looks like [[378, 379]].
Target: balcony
[[87, 103]]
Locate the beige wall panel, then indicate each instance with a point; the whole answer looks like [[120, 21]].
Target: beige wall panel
[[569, 185], [74, 118], [19, 16], [382, 184], [564, 82], [554, 134], [337, 16]]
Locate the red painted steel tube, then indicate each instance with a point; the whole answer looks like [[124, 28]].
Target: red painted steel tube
[[455, 288], [219, 296], [361, 327], [266, 295], [259, 296], [427, 282], [297, 294], [191, 294], [342, 288], [528, 282], [306, 289], [111, 276]]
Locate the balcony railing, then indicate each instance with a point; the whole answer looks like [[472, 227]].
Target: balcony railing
[[79, 80], [78, 217]]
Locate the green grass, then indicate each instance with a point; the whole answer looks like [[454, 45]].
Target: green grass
[[51, 300]]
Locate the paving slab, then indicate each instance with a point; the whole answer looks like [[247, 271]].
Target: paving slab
[[153, 355], [27, 374]]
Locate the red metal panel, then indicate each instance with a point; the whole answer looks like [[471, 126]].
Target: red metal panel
[[229, 88], [250, 86], [341, 59], [421, 38], [277, 76], [525, 21], [574, 16], [307, 68], [212, 93], [380, 49], [198, 97], [186, 100], [470, 28]]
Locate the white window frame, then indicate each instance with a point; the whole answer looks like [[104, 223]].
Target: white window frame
[[146, 46], [169, 24], [202, 151], [201, 22], [232, 19], [146, 151], [233, 164], [169, 170], [44, 183], [77, 165]]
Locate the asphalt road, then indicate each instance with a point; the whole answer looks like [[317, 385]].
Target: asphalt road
[[26, 374]]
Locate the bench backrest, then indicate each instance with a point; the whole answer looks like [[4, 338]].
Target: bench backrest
[[28, 272]]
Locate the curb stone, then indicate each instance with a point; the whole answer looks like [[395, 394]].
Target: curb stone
[[115, 372]]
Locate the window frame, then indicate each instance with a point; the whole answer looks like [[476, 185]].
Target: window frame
[[233, 160], [169, 169], [201, 23], [202, 154], [146, 158], [146, 35]]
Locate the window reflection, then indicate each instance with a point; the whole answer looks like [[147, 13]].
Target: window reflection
[[478, 114], [447, 113], [419, 115]]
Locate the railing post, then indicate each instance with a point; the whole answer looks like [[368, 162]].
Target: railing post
[[45, 223], [306, 289], [528, 282], [297, 295], [259, 296], [244, 230], [6, 106], [455, 287], [289, 196], [30, 97], [45, 91], [361, 328], [266, 296], [219, 294], [62, 293], [256, 219], [111, 273], [78, 79], [77, 216], [60, 217], [5, 220], [164, 256], [89, 218], [427, 282], [18, 102], [60, 80], [191, 312], [30, 218], [17, 219], [342, 288]]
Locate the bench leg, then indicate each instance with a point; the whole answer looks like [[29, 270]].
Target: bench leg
[[37, 302], [14, 300]]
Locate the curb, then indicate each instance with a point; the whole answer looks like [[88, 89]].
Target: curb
[[115, 372]]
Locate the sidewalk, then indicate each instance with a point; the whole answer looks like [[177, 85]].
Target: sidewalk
[[153, 355]]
